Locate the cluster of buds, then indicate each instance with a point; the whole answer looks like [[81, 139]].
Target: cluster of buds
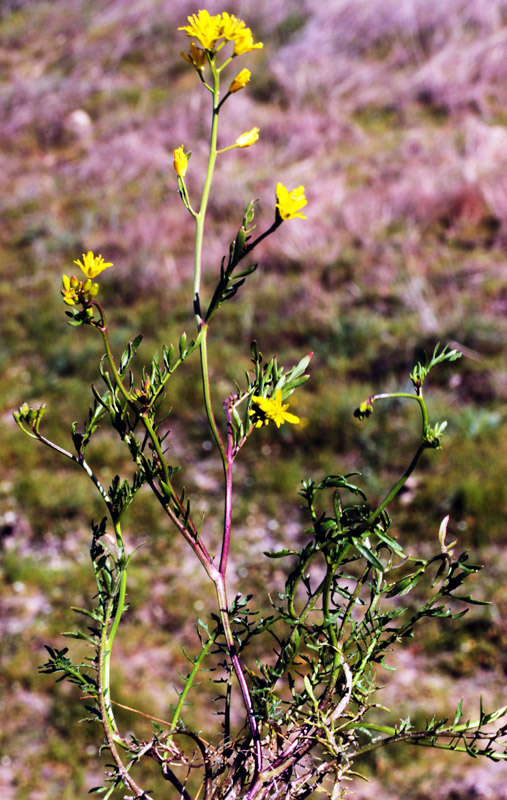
[[143, 394], [365, 409], [75, 291], [30, 416]]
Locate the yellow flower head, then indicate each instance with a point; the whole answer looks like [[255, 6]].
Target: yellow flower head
[[196, 57], [93, 265], [244, 42], [240, 81], [204, 28], [289, 204], [247, 138], [180, 162], [209, 29], [273, 409]]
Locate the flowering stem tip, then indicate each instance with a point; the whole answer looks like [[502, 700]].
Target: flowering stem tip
[[209, 29]]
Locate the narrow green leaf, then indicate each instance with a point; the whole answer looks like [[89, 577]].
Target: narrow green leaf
[[368, 555]]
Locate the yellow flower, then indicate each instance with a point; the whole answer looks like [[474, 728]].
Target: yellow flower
[[290, 203], [196, 57], [180, 162], [247, 138], [204, 28], [243, 43], [272, 409], [240, 81], [230, 26], [93, 265]]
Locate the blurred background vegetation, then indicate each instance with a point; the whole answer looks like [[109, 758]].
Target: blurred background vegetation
[[392, 113]]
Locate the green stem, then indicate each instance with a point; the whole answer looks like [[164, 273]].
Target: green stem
[[122, 589], [396, 488], [409, 396], [353, 600], [326, 597], [158, 449], [103, 675], [199, 234], [109, 355], [207, 397], [77, 460], [107, 639], [111, 732], [422, 446], [190, 679], [201, 216]]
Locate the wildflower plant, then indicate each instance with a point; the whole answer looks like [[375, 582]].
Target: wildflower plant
[[310, 704]]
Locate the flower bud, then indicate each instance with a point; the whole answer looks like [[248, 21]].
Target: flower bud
[[247, 138], [240, 81], [180, 162], [196, 57]]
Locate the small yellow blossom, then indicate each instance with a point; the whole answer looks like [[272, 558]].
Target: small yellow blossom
[[289, 204], [93, 265], [196, 57], [247, 138], [244, 42], [240, 81], [273, 409], [180, 162], [204, 28]]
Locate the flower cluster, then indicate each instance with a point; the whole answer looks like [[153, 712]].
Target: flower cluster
[[209, 29], [271, 409], [76, 291]]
